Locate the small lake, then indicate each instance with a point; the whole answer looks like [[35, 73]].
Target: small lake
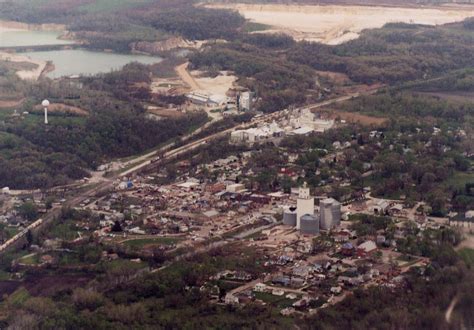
[[31, 38], [85, 62]]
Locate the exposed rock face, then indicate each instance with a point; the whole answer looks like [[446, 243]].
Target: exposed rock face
[[160, 46]]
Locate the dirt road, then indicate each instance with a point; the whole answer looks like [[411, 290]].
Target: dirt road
[[182, 71]]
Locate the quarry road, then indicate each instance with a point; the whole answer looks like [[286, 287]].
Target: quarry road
[[182, 71]]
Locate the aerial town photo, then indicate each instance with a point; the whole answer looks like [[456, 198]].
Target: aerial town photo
[[237, 164]]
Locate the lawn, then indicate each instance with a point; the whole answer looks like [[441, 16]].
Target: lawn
[[278, 301], [18, 297], [65, 231], [459, 179], [467, 255], [31, 259], [140, 243]]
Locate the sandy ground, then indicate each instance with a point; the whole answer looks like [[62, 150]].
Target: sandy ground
[[25, 74], [183, 73], [214, 86], [333, 24]]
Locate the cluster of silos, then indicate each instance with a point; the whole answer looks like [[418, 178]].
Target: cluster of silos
[[289, 217], [330, 212], [309, 224]]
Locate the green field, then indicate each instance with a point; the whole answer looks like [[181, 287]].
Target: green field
[[278, 301], [65, 231], [139, 243], [18, 297], [459, 179], [30, 259], [468, 256]]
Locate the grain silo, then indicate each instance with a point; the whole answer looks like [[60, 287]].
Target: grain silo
[[309, 224]]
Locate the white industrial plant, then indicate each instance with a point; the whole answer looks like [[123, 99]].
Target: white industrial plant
[[297, 122]]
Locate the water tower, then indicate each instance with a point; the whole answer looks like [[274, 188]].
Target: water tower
[[45, 105]]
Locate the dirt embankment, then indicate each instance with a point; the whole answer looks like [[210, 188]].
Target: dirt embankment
[[352, 117], [32, 74], [6, 104], [157, 47], [60, 108]]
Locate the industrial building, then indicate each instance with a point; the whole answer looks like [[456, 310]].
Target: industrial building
[[306, 119], [295, 123], [203, 99], [330, 211], [304, 204], [257, 135]]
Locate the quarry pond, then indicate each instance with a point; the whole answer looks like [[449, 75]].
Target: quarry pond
[[21, 38], [84, 62], [66, 62]]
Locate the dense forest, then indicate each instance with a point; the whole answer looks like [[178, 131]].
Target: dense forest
[[395, 53]]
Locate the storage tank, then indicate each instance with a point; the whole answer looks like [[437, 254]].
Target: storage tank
[[289, 217], [309, 224]]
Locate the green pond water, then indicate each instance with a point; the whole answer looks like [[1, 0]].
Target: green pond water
[[71, 61], [31, 38], [84, 62]]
